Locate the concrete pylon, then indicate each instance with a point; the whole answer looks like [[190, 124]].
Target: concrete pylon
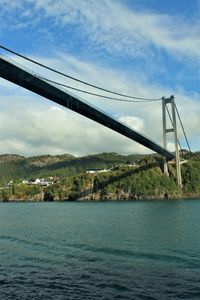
[[173, 129]]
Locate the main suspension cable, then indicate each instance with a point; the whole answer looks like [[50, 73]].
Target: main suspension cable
[[97, 95], [74, 78]]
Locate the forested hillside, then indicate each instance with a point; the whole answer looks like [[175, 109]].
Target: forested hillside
[[105, 176], [15, 167]]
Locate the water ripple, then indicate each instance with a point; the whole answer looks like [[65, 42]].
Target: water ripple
[[97, 251]]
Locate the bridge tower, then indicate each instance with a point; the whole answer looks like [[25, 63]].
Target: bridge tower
[[173, 129]]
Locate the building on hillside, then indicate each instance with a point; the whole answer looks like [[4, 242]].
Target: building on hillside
[[95, 171], [40, 181]]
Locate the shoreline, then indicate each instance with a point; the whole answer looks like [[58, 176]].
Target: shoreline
[[107, 200]]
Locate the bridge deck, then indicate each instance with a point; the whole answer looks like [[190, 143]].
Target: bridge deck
[[31, 82]]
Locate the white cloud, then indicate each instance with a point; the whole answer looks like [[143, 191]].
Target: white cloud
[[110, 25], [119, 29], [133, 122], [52, 129]]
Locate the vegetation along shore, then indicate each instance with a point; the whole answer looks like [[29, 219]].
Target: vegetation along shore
[[105, 176]]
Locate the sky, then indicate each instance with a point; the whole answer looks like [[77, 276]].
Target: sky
[[144, 48]]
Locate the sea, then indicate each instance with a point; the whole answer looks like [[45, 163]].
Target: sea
[[100, 250]]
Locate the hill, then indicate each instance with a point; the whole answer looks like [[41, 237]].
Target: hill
[[15, 167], [95, 177]]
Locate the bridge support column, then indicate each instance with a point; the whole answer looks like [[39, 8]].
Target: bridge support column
[[173, 129], [165, 166]]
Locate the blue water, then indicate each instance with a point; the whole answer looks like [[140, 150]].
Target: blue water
[[107, 250]]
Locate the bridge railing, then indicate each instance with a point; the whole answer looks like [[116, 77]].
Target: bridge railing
[[16, 63], [39, 76]]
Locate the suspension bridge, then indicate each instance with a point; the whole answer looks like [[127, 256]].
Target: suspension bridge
[[56, 92]]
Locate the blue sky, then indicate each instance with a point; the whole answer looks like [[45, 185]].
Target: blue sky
[[147, 48]]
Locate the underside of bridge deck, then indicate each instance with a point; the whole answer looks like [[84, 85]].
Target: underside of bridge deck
[[34, 83]]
